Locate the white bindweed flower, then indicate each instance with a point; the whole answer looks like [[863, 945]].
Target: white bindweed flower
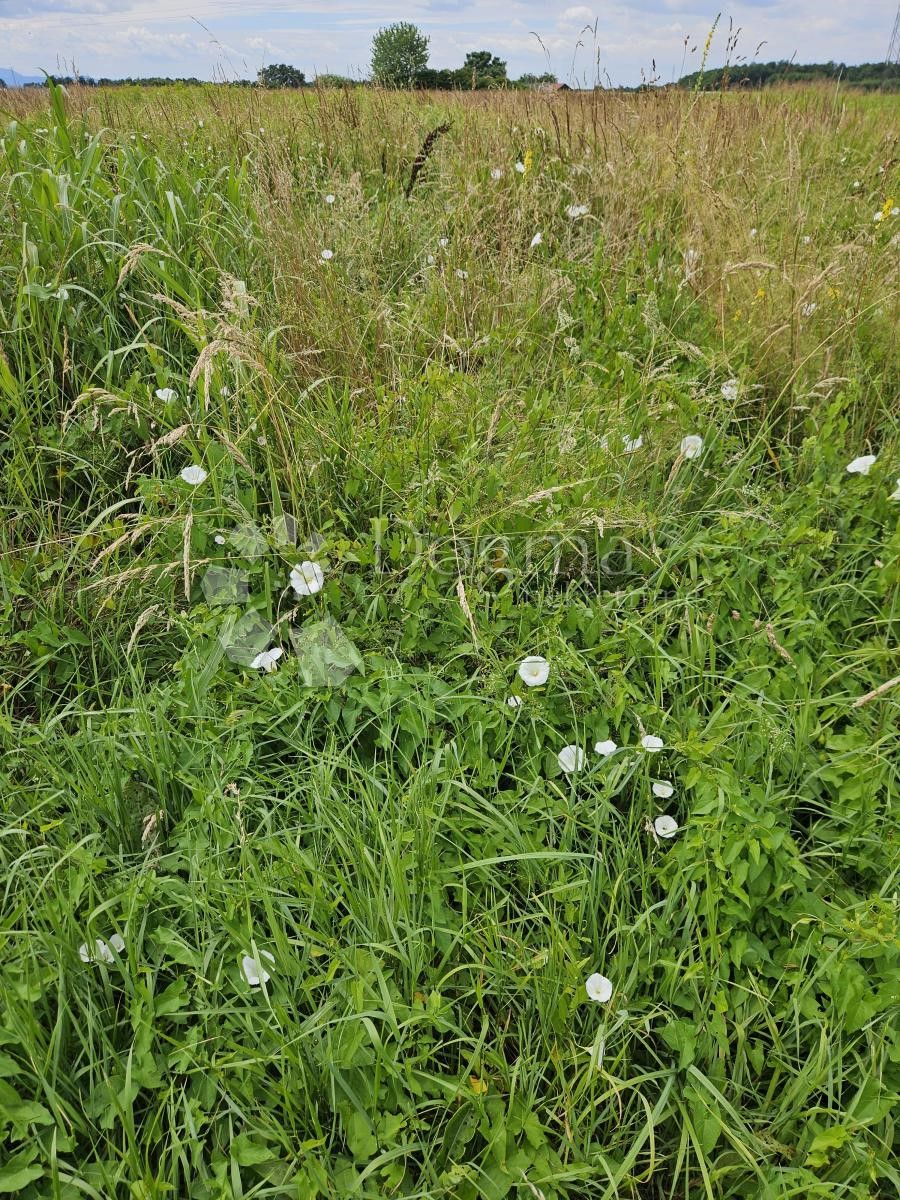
[[307, 578], [330, 199], [496, 173], [534, 670], [536, 240], [327, 255], [665, 826], [629, 444], [692, 445], [598, 988], [570, 758], [514, 701], [806, 240], [219, 539], [605, 748], [753, 233], [102, 951], [730, 389], [167, 395], [443, 242], [856, 185], [193, 475], [663, 789], [254, 971], [267, 660], [879, 216], [862, 465], [520, 167], [574, 211], [461, 274], [652, 743], [807, 310], [61, 293]]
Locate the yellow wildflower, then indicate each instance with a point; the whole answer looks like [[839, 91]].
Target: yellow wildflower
[[528, 160]]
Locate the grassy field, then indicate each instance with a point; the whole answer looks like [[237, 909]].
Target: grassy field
[[391, 917]]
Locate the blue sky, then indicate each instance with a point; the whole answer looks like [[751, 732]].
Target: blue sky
[[236, 37]]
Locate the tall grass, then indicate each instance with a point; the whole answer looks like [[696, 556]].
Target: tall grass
[[437, 415]]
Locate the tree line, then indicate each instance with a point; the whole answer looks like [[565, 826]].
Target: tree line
[[868, 76]]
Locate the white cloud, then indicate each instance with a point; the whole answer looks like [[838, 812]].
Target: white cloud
[[132, 37], [580, 13]]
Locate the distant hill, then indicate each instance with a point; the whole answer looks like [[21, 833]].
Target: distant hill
[[870, 76], [13, 79]]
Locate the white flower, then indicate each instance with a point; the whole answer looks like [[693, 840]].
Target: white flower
[[629, 445], [574, 211], [536, 240], [806, 240], [443, 243], [61, 293], [326, 255], [534, 670], [856, 184], [598, 988], [862, 465], [199, 124], [895, 494], [663, 789], [807, 310], [166, 394], [461, 274], [665, 826], [193, 475], [605, 748], [329, 199], [692, 445], [895, 211], [730, 389], [307, 578], [571, 758], [102, 951], [520, 167], [496, 173], [219, 539], [254, 971], [879, 216], [267, 659], [514, 701], [753, 233], [691, 263], [652, 743]]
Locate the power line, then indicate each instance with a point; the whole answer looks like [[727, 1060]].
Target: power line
[[893, 54]]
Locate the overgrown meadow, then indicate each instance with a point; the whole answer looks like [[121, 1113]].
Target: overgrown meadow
[[314, 429]]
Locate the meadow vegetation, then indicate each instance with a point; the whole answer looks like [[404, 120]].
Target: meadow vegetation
[[324, 930]]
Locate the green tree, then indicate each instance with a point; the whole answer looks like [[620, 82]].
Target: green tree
[[281, 75], [483, 69], [529, 80], [399, 55]]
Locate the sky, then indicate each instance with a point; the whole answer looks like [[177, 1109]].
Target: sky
[[618, 40]]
